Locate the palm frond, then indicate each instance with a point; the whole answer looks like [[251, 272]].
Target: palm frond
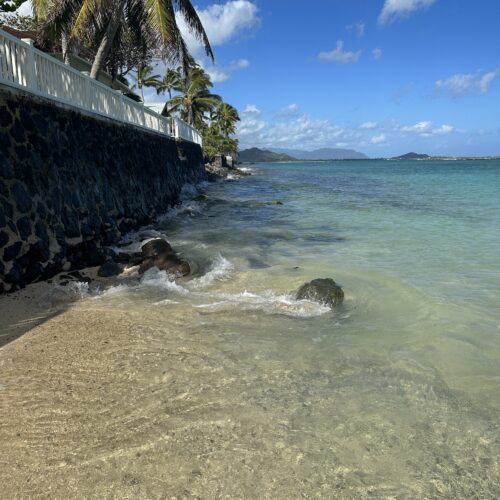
[[193, 21]]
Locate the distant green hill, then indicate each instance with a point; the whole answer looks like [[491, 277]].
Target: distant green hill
[[323, 154], [411, 156], [262, 155]]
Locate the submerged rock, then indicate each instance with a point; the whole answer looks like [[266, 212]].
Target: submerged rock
[[131, 259], [156, 247], [108, 269], [201, 197], [322, 290], [158, 253]]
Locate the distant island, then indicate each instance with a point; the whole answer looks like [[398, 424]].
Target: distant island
[[419, 156], [262, 155], [411, 156], [322, 154], [275, 154], [256, 155]]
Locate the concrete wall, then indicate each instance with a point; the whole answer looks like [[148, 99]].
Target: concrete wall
[[72, 183]]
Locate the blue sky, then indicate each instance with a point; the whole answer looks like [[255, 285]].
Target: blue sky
[[380, 76]]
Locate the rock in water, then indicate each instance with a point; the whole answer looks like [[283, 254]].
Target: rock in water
[[323, 290], [155, 247], [158, 253], [108, 269], [168, 261]]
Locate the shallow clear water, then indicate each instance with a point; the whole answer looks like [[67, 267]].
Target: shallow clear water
[[416, 246], [396, 394]]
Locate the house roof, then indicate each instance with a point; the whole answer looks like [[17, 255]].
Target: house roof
[[19, 33]]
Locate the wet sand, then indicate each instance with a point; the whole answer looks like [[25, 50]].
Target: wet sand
[[114, 402]]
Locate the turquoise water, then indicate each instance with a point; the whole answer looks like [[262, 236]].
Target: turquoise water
[[401, 385], [223, 385]]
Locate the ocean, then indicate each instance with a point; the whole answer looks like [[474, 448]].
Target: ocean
[[222, 385]]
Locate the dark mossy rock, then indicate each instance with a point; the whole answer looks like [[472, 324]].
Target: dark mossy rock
[[155, 247], [131, 259], [322, 290], [201, 197], [108, 269], [168, 261]]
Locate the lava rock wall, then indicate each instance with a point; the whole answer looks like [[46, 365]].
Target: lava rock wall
[[72, 183]]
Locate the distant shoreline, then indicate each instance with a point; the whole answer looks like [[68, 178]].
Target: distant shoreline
[[430, 158]]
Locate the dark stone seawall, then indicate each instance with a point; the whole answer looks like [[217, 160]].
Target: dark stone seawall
[[72, 183]]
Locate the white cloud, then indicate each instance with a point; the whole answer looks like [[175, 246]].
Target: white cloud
[[222, 73], [217, 75], [339, 54], [396, 9], [293, 108], [443, 129], [357, 28], [252, 109], [378, 139], [289, 111], [420, 127], [25, 9], [306, 132], [222, 23], [466, 83], [376, 53], [297, 132], [427, 129]]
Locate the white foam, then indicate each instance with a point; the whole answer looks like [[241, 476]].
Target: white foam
[[247, 170], [161, 279], [267, 302], [220, 270], [111, 291], [165, 302], [59, 294], [186, 208], [141, 234]]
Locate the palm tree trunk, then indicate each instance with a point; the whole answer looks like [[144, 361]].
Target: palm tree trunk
[[107, 39], [65, 47]]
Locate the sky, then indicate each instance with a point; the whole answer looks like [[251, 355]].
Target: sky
[[383, 77]]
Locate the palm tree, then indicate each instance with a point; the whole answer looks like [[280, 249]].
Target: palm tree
[[225, 119], [106, 16], [145, 78], [169, 82], [195, 99]]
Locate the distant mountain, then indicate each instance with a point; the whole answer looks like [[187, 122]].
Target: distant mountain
[[322, 154], [411, 156], [258, 155]]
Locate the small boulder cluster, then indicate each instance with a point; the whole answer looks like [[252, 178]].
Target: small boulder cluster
[[155, 253]]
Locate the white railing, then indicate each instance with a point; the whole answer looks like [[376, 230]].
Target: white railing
[[181, 129], [23, 66]]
